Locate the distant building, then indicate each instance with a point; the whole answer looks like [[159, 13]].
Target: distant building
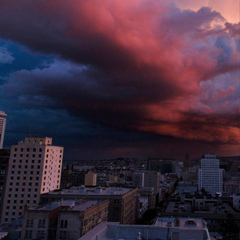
[[210, 176], [150, 194], [34, 168], [160, 165], [3, 116], [63, 220], [138, 179], [122, 201], [152, 179], [4, 161], [142, 206], [71, 176], [214, 211], [165, 228], [90, 179], [236, 201]]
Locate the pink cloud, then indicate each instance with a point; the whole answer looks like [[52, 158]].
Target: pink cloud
[[148, 65]]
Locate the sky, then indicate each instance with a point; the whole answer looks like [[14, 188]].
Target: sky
[[120, 78]]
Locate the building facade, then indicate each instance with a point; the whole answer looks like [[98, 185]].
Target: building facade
[[90, 179], [122, 201], [4, 161], [138, 179], [210, 176], [3, 116], [64, 220], [34, 168], [152, 179]]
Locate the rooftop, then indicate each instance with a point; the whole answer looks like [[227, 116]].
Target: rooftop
[[192, 228], [68, 204], [93, 191]]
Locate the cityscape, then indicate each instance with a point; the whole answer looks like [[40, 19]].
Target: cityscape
[[43, 197], [120, 120]]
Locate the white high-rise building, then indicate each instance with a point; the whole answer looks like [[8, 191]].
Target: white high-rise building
[[34, 168], [3, 116], [210, 176]]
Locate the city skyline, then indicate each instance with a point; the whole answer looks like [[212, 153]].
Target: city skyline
[[119, 78]]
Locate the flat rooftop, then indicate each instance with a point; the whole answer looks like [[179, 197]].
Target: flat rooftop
[[186, 207], [193, 228], [92, 191], [69, 204]]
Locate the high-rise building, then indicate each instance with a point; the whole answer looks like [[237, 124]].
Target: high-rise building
[[34, 168], [3, 116], [210, 176]]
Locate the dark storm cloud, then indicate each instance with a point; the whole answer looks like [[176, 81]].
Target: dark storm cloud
[[144, 66]]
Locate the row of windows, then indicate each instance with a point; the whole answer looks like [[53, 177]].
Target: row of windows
[[24, 172], [27, 166], [41, 223], [28, 149], [24, 178]]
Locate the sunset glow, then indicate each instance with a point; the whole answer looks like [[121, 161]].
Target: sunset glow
[[162, 68]]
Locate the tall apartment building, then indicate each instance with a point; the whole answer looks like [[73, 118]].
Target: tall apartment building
[[210, 176], [3, 116], [34, 168]]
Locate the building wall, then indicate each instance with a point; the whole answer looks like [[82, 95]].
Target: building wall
[[4, 161], [90, 179], [122, 207], [34, 168], [73, 224], [210, 177], [138, 179], [2, 127], [236, 201], [152, 179]]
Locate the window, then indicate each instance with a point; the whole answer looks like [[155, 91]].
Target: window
[[63, 224], [40, 234], [63, 235], [41, 223], [29, 232]]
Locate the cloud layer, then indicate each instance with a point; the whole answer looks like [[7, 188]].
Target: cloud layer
[[135, 65]]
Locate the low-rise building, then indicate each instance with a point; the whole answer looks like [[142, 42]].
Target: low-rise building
[[150, 194], [165, 228], [66, 220], [142, 206], [122, 201], [236, 201], [90, 179]]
